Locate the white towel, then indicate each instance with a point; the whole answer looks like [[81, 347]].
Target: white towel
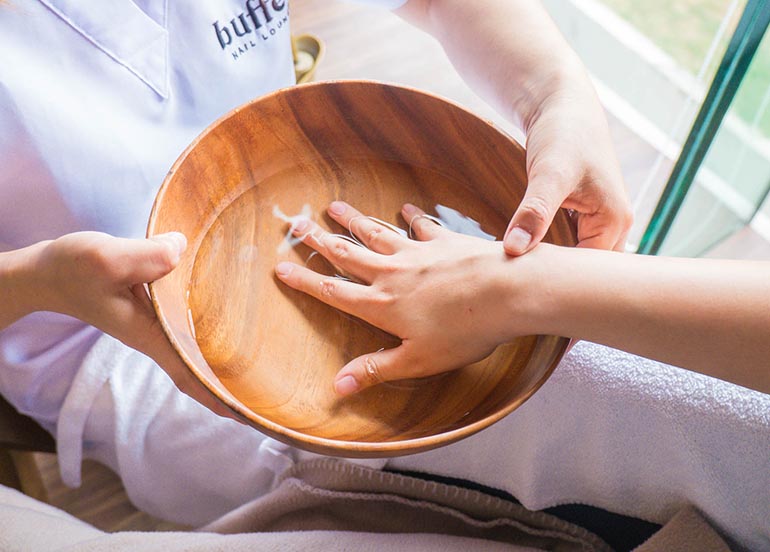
[[607, 429], [632, 436], [177, 460]]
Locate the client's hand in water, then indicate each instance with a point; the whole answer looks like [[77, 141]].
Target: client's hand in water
[[451, 298]]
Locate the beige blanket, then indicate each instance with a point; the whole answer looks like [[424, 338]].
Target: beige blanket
[[330, 505]]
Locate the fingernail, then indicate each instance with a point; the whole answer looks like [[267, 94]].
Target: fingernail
[[301, 225], [337, 208], [518, 239], [346, 386], [283, 269], [177, 241], [409, 209]]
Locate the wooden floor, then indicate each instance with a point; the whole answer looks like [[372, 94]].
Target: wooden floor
[[100, 500], [368, 43]]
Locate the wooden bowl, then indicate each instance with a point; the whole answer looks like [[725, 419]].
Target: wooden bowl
[[270, 353]]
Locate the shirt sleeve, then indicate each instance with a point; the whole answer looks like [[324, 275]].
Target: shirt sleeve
[[389, 4]]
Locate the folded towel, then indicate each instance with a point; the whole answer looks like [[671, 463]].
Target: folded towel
[[632, 436], [177, 460], [329, 494], [330, 505]]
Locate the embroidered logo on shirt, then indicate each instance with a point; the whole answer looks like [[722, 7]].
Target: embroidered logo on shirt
[[261, 21]]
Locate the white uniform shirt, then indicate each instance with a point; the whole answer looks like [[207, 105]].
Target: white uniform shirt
[[97, 100]]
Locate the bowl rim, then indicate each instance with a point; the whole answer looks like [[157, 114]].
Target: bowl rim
[[313, 443]]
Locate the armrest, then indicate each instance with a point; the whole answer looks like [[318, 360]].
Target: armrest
[[19, 432]]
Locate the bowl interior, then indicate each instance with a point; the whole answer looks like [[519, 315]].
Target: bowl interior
[[270, 352]]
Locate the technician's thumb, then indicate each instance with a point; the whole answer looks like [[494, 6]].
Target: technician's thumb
[[371, 369], [155, 257], [530, 222]]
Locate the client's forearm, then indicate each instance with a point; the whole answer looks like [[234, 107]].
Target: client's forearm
[[710, 316]]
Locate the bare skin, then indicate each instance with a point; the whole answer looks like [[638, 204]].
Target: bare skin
[[452, 299], [516, 59], [520, 63], [100, 280]]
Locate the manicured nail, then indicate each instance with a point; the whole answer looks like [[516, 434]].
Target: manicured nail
[[518, 239], [346, 386], [337, 208], [301, 225], [284, 269]]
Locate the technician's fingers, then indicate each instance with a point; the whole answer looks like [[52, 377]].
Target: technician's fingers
[[599, 241], [374, 235], [621, 244], [167, 358], [605, 229], [371, 369], [345, 255], [421, 226], [346, 296], [543, 197]]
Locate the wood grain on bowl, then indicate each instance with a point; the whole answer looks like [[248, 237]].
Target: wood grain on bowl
[[270, 352]]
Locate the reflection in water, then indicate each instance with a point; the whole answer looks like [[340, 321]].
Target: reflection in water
[[457, 222], [289, 240]]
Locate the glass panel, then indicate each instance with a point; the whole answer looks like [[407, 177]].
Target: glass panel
[[734, 179], [652, 62]]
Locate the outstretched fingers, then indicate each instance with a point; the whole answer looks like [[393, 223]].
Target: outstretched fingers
[[341, 294], [374, 265], [375, 235], [344, 254], [421, 226]]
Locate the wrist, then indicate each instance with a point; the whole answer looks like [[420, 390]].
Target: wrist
[[534, 294], [559, 88], [578, 288], [21, 287]]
